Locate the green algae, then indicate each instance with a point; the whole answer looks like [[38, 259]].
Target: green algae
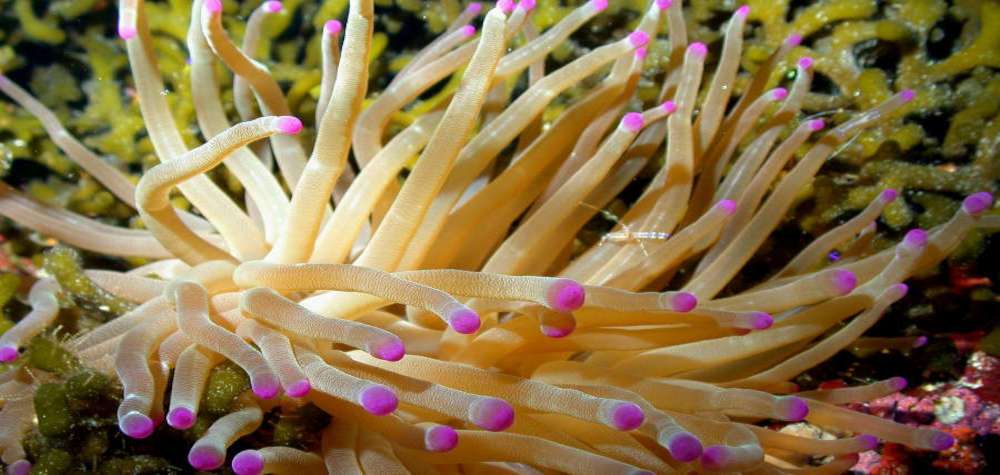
[[52, 407], [65, 265], [225, 385]]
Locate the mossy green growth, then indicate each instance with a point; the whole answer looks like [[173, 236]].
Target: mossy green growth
[[65, 266], [300, 428], [47, 354], [88, 385], [137, 465], [9, 284], [225, 384], [52, 407], [53, 462]]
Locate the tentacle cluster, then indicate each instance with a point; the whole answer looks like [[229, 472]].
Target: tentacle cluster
[[453, 319]]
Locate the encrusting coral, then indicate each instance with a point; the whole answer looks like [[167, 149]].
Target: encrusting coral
[[450, 320]]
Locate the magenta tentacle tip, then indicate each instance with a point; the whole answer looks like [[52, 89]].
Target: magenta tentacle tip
[[868, 441], [491, 414], [816, 125], [440, 439], [641, 53], [565, 295], [300, 388], [684, 447], [806, 63], [898, 383], [761, 320], [333, 27], [272, 6], [390, 350], [21, 467], [844, 281], [464, 321], [888, 195], [526, 5], [920, 341], [941, 441], [742, 11], [599, 5], [289, 125], [474, 8], [213, 6], [136, 425], [556, 332], [664, 4], [793, 39], [8, 353], [626, 416], [126, 32], [468, 31], [915, 238], [792, 408], [204, 457], [976, 203], [378, 400], [506, 6], [698, 49], [779, 94], [684, 302], [902, 289], [633, 122], [727, 206], [669, 107], [265, 388], [638, 38], [248, 462], [181, 418], [907, 95], [714, 457]]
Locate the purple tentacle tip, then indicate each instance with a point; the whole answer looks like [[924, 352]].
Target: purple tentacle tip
[[684, 447], [181, 418], [793, 39], [527, 5], [868, 441], [817, 124], [941, 441], [464, 321], [204, 457], [213, 6], [333, 27], [300, 388], [714, 457], [556, 332], [664, 4], [506, 6], [920, 341], [378, 400], [565, 295], [8, 353], [743, 11], [126, 32], [468, 31], [844, 281], [641, 53], [761, 320], [474, 8], [888, 195], [727, 206], [492, 414], [627, 416], [391, 350], [669, 106], [440, 439], [638, 39], [272, 6], [908, 95], [792, 408], [266, 387], [248, 462], [289, 125], [698, 49], [136, 425], [779, 94], [915, 238], [901, 288], [806, 62], [977, 202], [898, 383], [21, 467], [633, 122], [599, 5], [684, 302]]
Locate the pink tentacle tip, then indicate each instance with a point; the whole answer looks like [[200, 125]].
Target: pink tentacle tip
[[468, 31], [565, 295], [920, 341], [793, 39], [638, 38], [300, 388], [203, 457], [266, 389], [714, 457], [126, 32], [792, 408], [742, 11], [888, 195], [464, 321], [333, 27], [248, 462], [378, 400], [492, 414], [761, 320], [389, 350], [641, 53], [272, 6], [664, 4], [816, 125], [440, 439], [941, 441], [633, 122], [684, 447], [8, 353], [898, 383], [779, 94], [136, 425], [506, 6], [213, 6], [21, 467], [907, 95], [599, 5], [474, 8], [844, 281], [684, 302], [727, 206], [976, 203], [289, 125], [556, 332], [626, 416], [526, 5], [669, 107], [698, 49], [901, 288], [868, 441], [806, 63], [181, 418], [915, 238]]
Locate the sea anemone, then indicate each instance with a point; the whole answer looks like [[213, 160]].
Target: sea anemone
[[451, 318]]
